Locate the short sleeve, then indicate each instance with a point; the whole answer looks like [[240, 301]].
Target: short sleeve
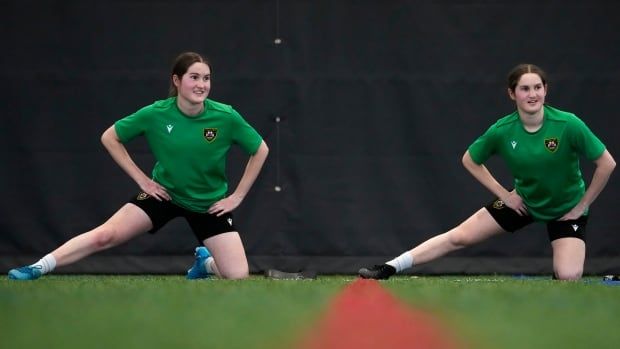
[[584, 140], [483, 147], [245, 135], [132, 126]]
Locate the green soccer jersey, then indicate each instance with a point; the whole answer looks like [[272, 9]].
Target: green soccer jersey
[[545, 163], [190, 150]]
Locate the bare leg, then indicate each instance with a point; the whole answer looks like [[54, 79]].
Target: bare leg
[[569, 255], [478, 227], [128, 222], [229, 255]]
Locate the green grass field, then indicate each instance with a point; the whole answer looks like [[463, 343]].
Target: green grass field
[[170, 312]]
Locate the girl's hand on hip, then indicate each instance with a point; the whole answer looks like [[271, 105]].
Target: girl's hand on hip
[[227, 204], [573, 214], [515, 202], [155, 190]]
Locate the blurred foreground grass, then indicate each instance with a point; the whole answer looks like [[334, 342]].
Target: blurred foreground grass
[[94, 311]]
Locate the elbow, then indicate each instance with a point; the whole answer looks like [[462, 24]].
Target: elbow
[[108, 137], [466, 159], [104, 137], [264, 149], [609, 162], [469, 163]]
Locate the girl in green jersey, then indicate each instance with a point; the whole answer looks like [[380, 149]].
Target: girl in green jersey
[[189, 136], [541, 146]]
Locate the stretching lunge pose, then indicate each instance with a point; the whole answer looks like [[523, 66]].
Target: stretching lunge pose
[[189, 136], [541, 146]]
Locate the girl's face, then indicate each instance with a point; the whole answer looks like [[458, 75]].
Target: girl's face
[[195, 84], [529, 94]]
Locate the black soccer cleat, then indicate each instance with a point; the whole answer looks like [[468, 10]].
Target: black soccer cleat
[[377, 272]]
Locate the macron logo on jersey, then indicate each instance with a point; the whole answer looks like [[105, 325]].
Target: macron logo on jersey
[[169, 127], [514, 144]]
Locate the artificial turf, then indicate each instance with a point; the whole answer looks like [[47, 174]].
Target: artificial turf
[[142, 311]]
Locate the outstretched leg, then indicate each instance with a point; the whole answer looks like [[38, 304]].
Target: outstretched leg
[[477, 228], [128, 222]]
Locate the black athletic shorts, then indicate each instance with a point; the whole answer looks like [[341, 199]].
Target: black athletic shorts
[[510, 220], [204, 225]]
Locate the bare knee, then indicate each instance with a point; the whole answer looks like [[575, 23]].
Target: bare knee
[[568, 274], [459, 238], [235, 273], [230, 260], [104, 237], [568, 258]]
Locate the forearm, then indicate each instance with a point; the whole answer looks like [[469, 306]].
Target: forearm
[[482, 174], [119, 153], [604, 167], [252, 169]]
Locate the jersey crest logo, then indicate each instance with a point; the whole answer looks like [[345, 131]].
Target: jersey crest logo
[[498, 204], [210, 134], [552, 144]]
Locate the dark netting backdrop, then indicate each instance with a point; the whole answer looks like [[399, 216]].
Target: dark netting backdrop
[[367, 107]]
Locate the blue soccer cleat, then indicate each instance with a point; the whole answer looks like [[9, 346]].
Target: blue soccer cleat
[[25, 273], [199, 270]]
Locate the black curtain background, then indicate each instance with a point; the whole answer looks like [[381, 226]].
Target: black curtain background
[[367, 107]]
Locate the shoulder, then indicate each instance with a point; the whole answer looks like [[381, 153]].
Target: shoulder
[[555, 114], [220, 107], [157, 106], [163, 104], [507, 120]]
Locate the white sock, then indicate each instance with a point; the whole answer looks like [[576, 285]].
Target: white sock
[[45, 264], [209, 265], [402, 262]]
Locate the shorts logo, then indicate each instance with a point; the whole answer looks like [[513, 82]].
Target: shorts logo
[[229, 220], [210, 134], [498, 204], [142, 196], [552, 144]]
